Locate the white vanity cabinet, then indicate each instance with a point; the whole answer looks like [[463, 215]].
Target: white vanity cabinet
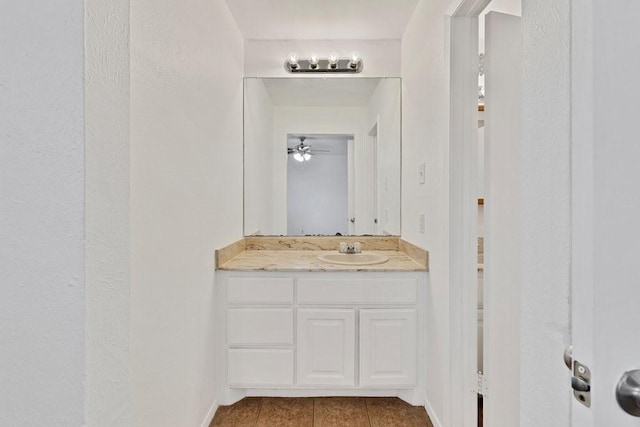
[[321, 333]]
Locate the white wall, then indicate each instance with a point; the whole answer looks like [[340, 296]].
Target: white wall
[[546, 213], [42, 290], [186, 199], [265, 58], [311, 120], [425, 139], [107, 212], [258, 152], [317, 193], [385, 109]]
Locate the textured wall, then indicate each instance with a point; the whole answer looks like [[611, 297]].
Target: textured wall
[[546, 210], [107, 212], [42, 289], [186, 199], [425, 139]]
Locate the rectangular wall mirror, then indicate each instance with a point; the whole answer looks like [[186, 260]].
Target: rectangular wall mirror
[[322, 156]]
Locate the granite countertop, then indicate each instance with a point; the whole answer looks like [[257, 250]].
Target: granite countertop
[[305, 260], [295, 254]]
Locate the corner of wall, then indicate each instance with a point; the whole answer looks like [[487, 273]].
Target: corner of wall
[[107, 145]]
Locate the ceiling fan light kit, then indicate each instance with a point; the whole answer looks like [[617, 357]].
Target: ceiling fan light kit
[[302, 152]]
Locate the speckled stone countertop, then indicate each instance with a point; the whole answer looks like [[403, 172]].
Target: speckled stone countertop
[[301, 254]]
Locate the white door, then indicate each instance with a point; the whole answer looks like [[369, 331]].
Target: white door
[[388, 349], [606, 204], [502, 219], [326, 347]]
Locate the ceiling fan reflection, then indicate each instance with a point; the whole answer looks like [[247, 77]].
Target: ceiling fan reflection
[[303, 152]]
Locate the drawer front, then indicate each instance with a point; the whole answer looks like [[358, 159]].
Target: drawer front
[[260, 290], [357, 291], [260, 326], [260, 367]]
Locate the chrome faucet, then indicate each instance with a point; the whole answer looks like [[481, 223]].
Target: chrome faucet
[[350, 248]]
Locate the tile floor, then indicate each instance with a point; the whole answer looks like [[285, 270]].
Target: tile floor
[[321, 411]]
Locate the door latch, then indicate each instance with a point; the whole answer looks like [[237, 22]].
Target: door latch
[[581, 379], [581, 383]]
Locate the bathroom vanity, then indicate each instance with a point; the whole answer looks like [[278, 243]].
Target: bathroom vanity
[[290, 324]]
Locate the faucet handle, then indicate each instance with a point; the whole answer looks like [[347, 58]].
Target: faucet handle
[[358, 247], [343, 247]]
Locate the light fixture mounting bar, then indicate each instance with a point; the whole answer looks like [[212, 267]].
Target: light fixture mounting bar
[[324, 66]]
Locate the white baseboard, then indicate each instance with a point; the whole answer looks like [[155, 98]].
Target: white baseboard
[[432, 415], [209, 417]]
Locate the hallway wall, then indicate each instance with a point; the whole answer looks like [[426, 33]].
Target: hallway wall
[[42, 281], [107, 254], [425, 136], [186, 199]]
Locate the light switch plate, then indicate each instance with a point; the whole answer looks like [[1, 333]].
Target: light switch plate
[[421, 172]]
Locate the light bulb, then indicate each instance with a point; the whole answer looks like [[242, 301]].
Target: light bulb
[[355, 58], [293, 60], [306, 156], [313, 60], [299, 157], [333, 60]]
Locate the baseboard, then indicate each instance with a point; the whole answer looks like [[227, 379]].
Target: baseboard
[[432, 415], [209, 417]]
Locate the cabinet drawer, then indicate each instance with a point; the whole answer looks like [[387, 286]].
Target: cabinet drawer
[[260, 290], [357, 291], [260, 367], [260, 326]]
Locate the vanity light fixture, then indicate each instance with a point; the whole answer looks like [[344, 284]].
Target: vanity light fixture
[[333, 61], [313, 61], [332, 64], [293, 60], [354, 60]]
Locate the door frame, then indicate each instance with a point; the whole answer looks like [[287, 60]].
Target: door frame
[[582, 190], [372, 142], [461, 53]]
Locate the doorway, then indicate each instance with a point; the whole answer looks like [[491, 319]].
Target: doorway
[[484, 353], [318, 184]]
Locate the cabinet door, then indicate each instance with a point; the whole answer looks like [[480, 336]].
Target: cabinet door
[[326, 347], [388, 347]]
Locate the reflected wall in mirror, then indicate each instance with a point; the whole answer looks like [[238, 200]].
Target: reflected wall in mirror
[[322, 156]]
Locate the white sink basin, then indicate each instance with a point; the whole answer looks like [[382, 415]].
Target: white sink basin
[[353, 259]]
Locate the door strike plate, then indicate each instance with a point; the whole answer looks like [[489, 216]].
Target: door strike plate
[[581, 383]]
